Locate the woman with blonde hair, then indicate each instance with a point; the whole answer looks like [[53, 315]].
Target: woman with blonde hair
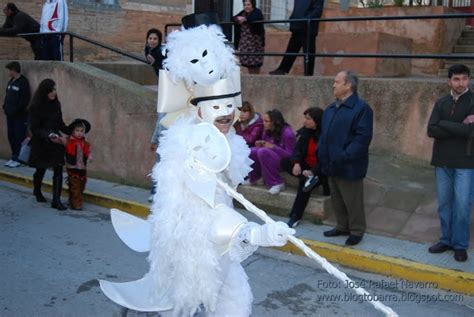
[[250, 124]]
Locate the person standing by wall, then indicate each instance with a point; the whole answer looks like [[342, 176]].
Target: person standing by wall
[[17, 97], [78, 153], [453, 159], [251, 37], [154, 143], [302, 9], [47, 144], [54, 18], [343, 151], [153, 49], [19, 22]]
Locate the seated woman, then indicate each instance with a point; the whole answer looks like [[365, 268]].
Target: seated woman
[[303, 163], [250, 124], [277, 142]]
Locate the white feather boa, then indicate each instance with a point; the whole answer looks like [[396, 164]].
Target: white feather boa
[[184, 263]]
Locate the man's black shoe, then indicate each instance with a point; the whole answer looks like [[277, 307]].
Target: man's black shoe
[[439, 247], [277, 72], [353, 240], [460, 255], [334, 233]]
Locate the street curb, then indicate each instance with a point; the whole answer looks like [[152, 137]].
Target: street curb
[[458, 281], [132, 207]]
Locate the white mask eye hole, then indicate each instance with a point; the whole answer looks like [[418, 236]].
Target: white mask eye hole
[[216, 107], [229, 106], [194, 61], [204, 53]]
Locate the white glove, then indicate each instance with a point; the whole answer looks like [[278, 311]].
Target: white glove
[[270, 234]]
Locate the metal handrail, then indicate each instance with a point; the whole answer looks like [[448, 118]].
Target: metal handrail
[[73, 35], [307, 55]]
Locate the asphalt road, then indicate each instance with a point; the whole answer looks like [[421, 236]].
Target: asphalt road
[[50, 260]]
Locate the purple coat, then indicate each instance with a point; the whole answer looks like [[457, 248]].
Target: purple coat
[[252, 132], [285, 147]]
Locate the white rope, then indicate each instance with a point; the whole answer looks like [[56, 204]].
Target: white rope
[[310, 253]]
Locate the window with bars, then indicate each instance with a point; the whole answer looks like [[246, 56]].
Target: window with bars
[[275, 9], [107, 2]]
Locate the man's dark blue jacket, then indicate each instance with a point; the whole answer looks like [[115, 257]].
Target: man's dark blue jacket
[[346, 133]]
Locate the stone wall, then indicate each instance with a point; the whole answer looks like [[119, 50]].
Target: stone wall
[[123, 27], [429, 36], [123, 113], [401, 106]]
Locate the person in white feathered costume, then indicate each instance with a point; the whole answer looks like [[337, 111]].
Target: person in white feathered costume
[[195, 238]]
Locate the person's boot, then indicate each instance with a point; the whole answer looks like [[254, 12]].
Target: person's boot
[[57, 187], [37, 181]]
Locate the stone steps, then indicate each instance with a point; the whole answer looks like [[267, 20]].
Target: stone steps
[[466, 41], [468, 33], [463, 49], [317, 210], [464, 45]]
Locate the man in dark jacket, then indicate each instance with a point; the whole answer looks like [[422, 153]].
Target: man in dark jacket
[[17, 97], [19, 22], [343, 152], [453, 158], [302, 9]]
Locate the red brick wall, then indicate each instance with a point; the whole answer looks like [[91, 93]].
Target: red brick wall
[[115, 26]]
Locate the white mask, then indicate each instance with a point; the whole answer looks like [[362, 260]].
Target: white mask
[[208, 154], [204, 66], [219, 100], [213, 109]]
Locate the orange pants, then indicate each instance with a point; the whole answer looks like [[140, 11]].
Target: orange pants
[[77, 180]]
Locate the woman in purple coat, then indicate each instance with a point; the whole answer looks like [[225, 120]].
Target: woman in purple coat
[[277, 143], [250, 124]]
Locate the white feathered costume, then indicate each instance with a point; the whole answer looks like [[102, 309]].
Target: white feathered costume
[[195, 238]]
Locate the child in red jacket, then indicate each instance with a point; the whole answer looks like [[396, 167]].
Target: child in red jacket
[[77, 154]]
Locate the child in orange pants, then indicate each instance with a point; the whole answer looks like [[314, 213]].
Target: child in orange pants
[[77, 154]]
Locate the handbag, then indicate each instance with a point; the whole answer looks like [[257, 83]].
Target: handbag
[[25, 151]]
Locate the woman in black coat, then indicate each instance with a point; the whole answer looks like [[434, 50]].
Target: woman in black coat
[[153, 49], [304, 162], [250, 37], [47, 149]]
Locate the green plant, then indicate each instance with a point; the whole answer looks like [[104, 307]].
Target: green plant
[[398, 3], [375, 4]]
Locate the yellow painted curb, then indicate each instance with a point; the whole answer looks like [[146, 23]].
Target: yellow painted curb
[[134, 208], [446, 279]]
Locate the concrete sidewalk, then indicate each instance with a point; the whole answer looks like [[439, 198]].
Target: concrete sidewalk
[[376, 253]]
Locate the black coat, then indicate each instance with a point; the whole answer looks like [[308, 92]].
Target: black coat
[[453, 140], [20, 23], [156, 53], [255, 28], [306, 9], [303, 136], [46, 119], [17, 97]]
